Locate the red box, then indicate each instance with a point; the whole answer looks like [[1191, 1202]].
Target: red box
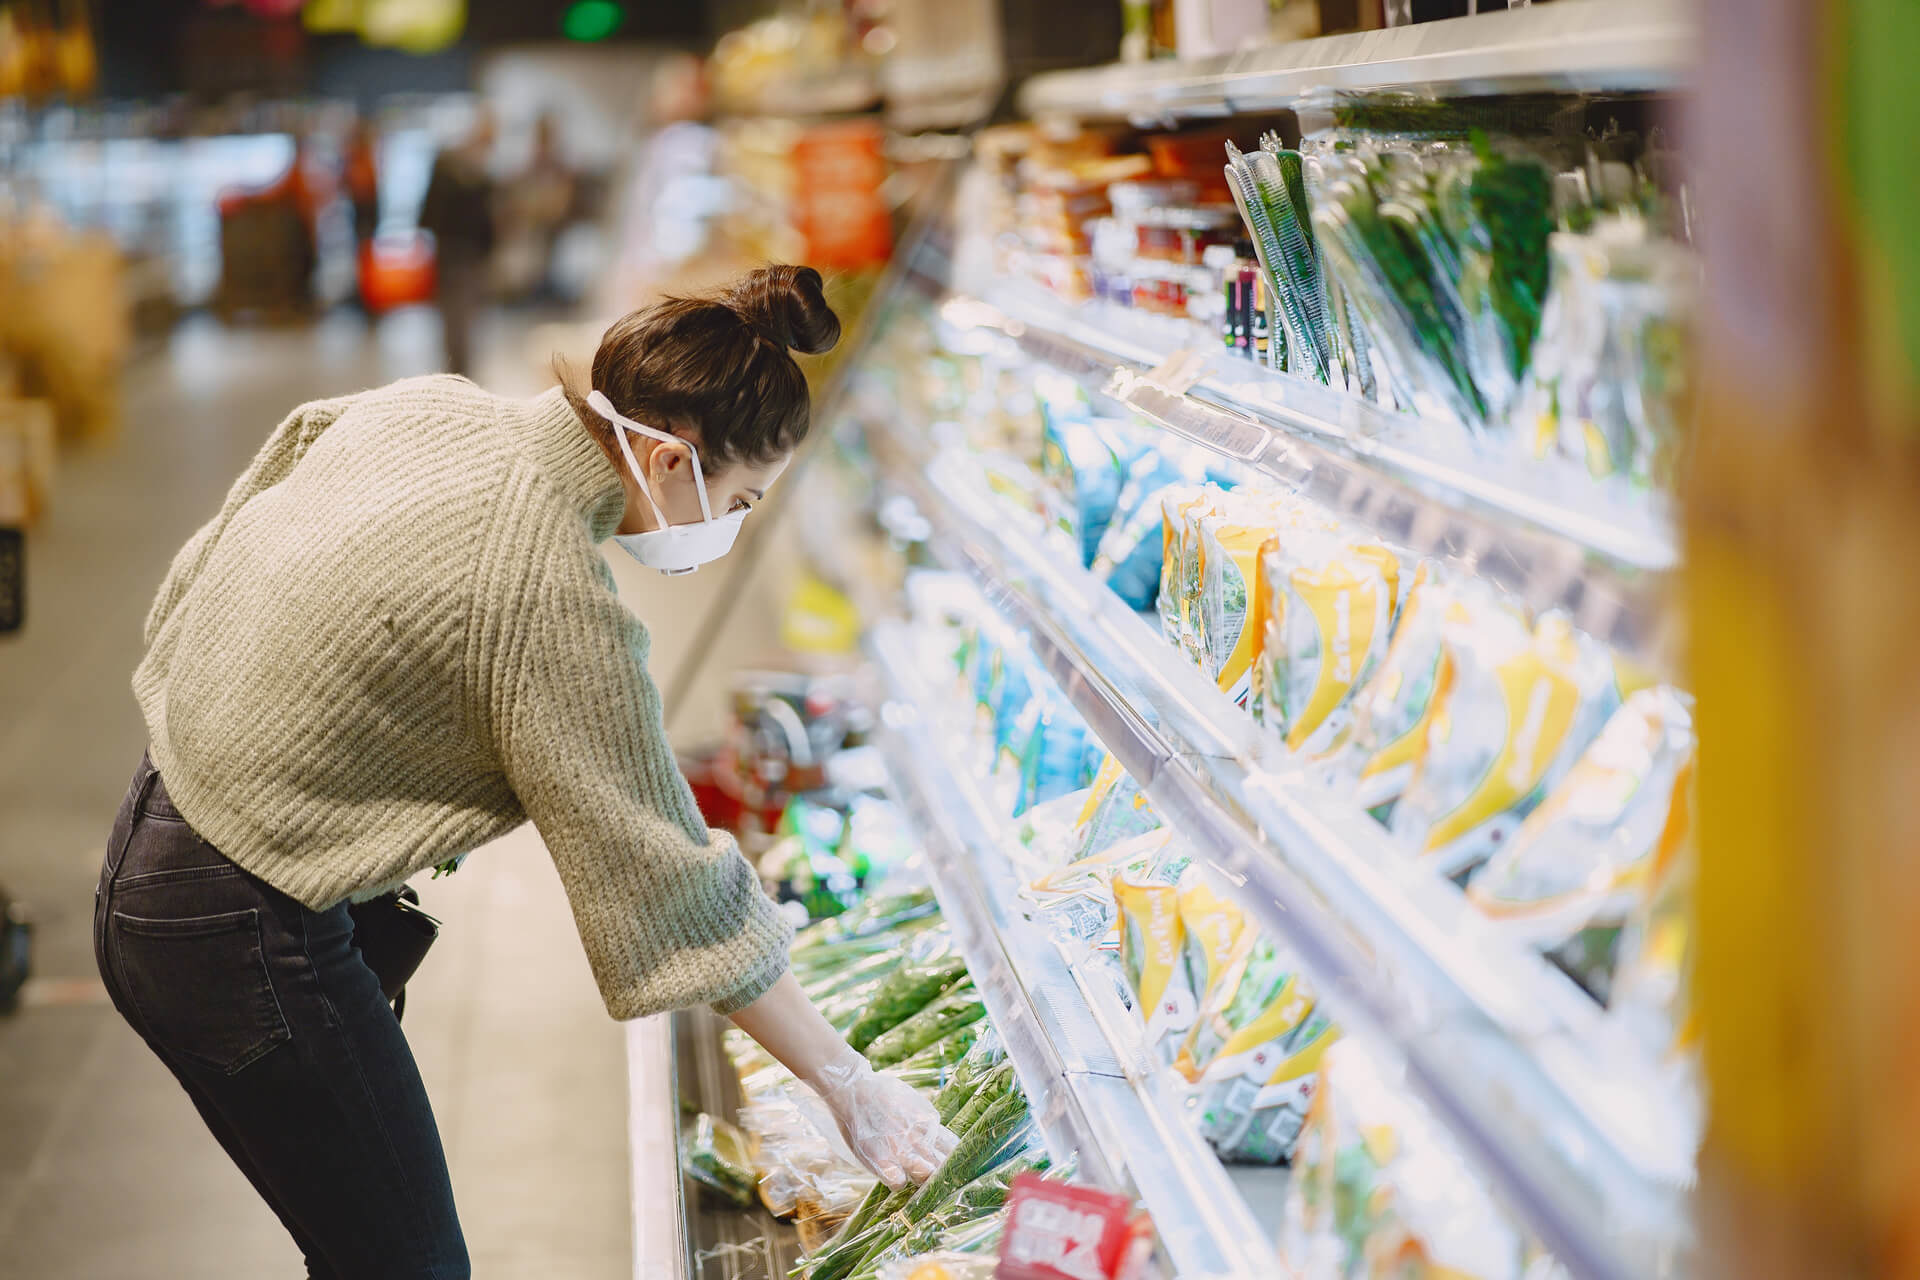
[[1061, 1232]]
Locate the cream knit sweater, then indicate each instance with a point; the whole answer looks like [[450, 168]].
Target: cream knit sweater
[[397, 640]]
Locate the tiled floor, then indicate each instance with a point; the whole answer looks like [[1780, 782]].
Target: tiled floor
[[105, 1172]]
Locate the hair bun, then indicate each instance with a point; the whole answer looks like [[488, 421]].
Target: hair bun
[[786, 305]]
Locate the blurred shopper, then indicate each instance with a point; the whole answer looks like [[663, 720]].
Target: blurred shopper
[[535, 206], [361, 178], [397, 641], [458, 210]]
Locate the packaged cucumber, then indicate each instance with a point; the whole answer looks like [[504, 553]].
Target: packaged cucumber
[[1521, 707], [1181, 509], [1229, 551]]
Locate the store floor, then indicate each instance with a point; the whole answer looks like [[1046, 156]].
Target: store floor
[[105, 1171]]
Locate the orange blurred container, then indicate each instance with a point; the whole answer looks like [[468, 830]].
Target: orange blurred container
[[396, 271]]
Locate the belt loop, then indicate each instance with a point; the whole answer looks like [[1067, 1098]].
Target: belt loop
[[136, 809]]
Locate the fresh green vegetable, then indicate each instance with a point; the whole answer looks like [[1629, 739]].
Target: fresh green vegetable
[[990, 1190], [715, 1155], [975, 1154], [909, 990], [950, 1050], [956, 1008], [872, 916]]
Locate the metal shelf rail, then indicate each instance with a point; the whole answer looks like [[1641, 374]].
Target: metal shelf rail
[[1573, 46], [1122, 1117], [1555, 540], [1564, 1118]]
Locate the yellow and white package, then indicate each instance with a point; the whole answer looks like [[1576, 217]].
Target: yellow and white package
[[1179, 555], [1211, 926], [1582, 858], [1256, 1004], [1324, 610], [1379, 1190], [1393, 711], [1521, 707], [1115, 809], [1254, 1053], [1075, 904], [1153, 953], [1650, 991], [1229, 551]]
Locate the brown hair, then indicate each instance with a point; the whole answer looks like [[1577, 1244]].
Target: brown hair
[[717, 369]]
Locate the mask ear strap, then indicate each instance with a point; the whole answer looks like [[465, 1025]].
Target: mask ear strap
[[604, 407]]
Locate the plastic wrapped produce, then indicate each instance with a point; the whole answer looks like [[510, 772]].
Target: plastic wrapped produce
[[953, 1010], [1153, 953], [1253, 1055], [1521, 707], [1393, 712], [904, 993], [1324, 610], [875, 915], [1211, 927], [943, 1265], [1580, 862], [1082, 473], [1115, 809], [1378, 1189], [1075, 904], [714, 1154], [804, 1170]]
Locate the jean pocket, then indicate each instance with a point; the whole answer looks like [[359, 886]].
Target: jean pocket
[[201, 986]]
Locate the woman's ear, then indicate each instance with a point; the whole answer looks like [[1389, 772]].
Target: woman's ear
[[668, 460]]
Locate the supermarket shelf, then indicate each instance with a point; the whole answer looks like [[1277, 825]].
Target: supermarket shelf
[[653, 1144], [1563, 1117], [1542, 530], [1574, 46], [1097, 1094]]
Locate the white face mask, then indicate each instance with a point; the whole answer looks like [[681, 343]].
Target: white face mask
[[670, 548]]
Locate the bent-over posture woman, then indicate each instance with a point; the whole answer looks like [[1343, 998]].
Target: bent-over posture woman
[[396, 641]]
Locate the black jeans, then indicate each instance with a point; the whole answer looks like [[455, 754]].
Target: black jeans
[[265, 1013]]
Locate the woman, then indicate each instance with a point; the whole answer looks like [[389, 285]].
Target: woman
[[395, 642]]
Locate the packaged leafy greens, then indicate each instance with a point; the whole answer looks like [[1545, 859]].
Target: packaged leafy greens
[[951, 1011], [714, 1154]]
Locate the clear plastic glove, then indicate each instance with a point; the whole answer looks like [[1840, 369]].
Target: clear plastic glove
[[893, 1130]]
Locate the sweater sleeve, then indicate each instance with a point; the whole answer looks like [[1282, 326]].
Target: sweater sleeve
[[671, 914], [274, 463]]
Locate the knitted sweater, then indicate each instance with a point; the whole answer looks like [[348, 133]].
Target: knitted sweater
[[398, 640]]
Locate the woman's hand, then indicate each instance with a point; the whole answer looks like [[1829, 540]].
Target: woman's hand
[[893, 1130]]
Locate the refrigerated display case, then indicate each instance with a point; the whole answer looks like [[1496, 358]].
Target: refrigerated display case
[[1485, 1109]]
